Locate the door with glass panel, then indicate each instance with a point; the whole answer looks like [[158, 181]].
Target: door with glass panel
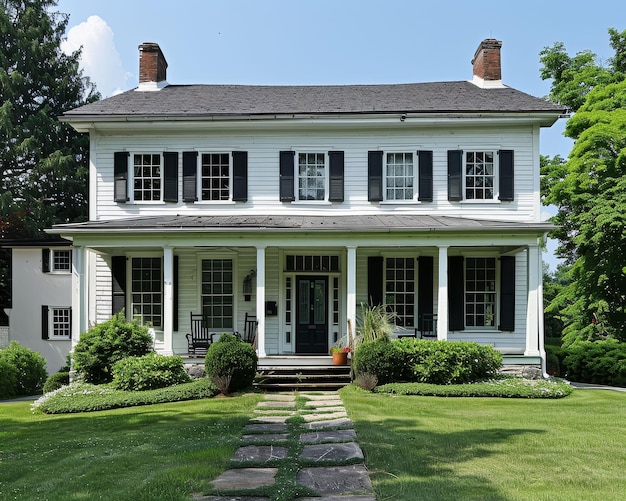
[[312, 315]]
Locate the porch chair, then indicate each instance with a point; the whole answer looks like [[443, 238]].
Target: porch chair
[[249, 329], [199, 339], [428, 327]]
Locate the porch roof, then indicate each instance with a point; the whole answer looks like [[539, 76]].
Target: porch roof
[[382, 223]]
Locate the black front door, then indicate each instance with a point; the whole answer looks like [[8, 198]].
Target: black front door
[[312, 314]]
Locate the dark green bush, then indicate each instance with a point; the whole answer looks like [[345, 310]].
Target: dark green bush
[[231, 358], [30, 366], [554, 359], [447, 362], [106, 343], [8, 379], [380, 358], [55, 381], [598, 362], [149, 372], [83, 397]]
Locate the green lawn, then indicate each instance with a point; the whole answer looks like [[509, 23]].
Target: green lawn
[[155, 452], [431, 448]]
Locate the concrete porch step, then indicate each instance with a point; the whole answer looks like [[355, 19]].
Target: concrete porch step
[[310, 377]]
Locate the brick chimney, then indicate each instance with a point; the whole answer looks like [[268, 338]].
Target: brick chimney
[[486, 62], [152, 67]]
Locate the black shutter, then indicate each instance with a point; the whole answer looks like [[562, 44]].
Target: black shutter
[[425, 176], [506, 175], [456, 294], [375, 280], [455, 175], [424, 287], [71, 322], [507, 293], [335, 168], [175, 292], [240, 176], [45, 324], [375, 176], [287, 186], [45, 260], [120, 176], [170, 188], [118, 286], [190, 168]]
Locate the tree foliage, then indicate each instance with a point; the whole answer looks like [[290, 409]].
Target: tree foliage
[[589, 189], [43, 162]]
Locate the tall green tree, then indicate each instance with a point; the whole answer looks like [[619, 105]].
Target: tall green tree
[[589, 190], [43, 163]]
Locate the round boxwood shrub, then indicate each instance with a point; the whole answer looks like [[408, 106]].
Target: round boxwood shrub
[[149, 372], [379, 358], [106, 343], [56, 381], [8, 379], [231, 361], [30, 366]]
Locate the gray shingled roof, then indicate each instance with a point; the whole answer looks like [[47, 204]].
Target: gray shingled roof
[[228, 100], [349, 223]]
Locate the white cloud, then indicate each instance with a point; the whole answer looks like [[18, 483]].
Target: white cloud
[[99, 59]]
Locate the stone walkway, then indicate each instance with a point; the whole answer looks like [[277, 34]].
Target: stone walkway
[[316, 447]]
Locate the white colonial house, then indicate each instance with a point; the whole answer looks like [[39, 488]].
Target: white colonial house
[[295, 204]]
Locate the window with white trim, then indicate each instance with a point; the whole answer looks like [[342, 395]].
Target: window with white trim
[[61, 260], [480, 292], [399, 176], [215, 176], [400, 289], [311, 176], [216, 293], [480, 175], [147, 177], [60, 323], [146, 291]]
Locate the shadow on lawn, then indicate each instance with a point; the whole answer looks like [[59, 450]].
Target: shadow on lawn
[[408, 463]]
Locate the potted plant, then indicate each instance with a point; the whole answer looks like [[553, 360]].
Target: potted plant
[[340, 354]]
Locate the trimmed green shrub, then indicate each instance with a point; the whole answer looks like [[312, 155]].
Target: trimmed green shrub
[[55, 381], [106, 343], [149, 372], [30, 366], [8, 379], [380, 358], [554, 359], [598, 362], [447, 362], [230, 358]]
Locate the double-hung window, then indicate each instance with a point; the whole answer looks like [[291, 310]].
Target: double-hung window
[[147, 177], [56, 322], [399, 176], [215, 176], [480, 292], [311, 176], [146, 290], [480, 176], [56, 260], [216, 293], [400, 289]]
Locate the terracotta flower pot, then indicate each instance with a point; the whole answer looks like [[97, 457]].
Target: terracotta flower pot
[[340, 358]]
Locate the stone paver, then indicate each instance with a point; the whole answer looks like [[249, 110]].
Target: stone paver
[[322, 410], [323, 403], [266, 427], [259, 453], [365, 497], [274, 412], [277, 404], [345, 451], [324, 416], [200, 497], [328, 424], [270, 419], [336, 480], [317, 437], [245, 478], [280, 397], [264, 437]]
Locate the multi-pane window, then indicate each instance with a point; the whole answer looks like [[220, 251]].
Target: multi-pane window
[[479, 175], [215, 176], [61, 323], [400, 289], [146, 290], [147, 177], [399, 176], [62, 260], [217, 293], [480, 291], [311, 176]]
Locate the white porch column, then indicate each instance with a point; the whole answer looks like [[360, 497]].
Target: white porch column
[[351, 294], [532, 310], [168, 300], [442, 297], [79, 294], [260, 300]]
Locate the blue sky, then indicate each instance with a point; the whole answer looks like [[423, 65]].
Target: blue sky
[[335, 41]]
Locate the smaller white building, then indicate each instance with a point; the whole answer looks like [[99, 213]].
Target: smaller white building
[[41, 316]]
